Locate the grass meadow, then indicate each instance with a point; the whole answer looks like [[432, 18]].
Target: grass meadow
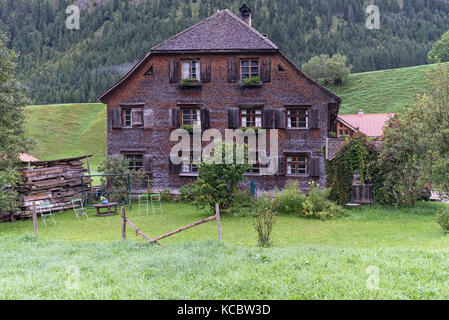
[[371, 253]]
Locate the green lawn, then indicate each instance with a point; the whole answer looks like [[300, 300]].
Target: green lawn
[[309, 260]]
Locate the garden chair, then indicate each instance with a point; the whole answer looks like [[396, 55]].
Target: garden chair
[[156, 203], [78, 208], [45, 211], [143, 203]]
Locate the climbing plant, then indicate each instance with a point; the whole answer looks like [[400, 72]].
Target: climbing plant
[[358, 154]]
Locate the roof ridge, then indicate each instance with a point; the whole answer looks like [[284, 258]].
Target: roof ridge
[[184, 31], [266, 39]]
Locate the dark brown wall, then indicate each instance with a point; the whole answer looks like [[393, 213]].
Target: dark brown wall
[[286, 88]]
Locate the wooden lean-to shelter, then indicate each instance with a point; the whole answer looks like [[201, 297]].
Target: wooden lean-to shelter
[[56, 181]]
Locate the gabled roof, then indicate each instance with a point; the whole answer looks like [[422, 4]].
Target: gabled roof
[[222, 31], [370, 124]]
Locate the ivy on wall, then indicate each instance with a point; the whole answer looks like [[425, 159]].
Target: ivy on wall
[[358, 154]]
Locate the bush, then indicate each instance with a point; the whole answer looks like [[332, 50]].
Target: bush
[[264, 219], [193, 193], [443, 219], [316, 205]]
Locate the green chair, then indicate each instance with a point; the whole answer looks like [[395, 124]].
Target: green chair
[[156, 203], [45, 211], [143, 202], [78, 208]]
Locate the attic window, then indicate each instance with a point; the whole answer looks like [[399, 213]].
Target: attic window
[[280, 68], [191, 69], [149, 71], [249, 68]]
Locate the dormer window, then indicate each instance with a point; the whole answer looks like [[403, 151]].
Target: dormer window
[[249, 68], [191, 69]]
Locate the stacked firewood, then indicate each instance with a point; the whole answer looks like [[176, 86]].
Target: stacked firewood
[[57, 182]]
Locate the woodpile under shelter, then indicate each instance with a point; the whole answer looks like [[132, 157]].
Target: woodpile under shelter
[[56, 181]]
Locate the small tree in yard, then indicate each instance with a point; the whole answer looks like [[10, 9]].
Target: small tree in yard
[[116, 167], [13, 100], [265, 219], [218, 182]]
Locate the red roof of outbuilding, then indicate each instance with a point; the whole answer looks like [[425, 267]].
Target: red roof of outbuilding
[[27, 158], [370, 124]]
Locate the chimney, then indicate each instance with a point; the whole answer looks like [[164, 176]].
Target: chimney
[[245, 13], [360, 111]]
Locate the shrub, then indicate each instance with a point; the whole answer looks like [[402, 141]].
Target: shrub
[[290, 200], [443, 219], [265, 219], [316, 205]]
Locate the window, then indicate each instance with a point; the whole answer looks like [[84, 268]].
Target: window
[[127, 118], [255, 168], [191, 69], [132, 117], [297, 164], [249, 68], [135, 161], [251, 117], [189, 165], [191, 117], [297, 118]]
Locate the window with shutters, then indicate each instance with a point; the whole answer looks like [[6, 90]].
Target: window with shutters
[[297, 164], [297, 118], [251, 118], [249, 68], [135, 161], [132, 117], [191, 70], [191, 117]]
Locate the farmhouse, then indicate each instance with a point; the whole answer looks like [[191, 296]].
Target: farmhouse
[[220, 73], [370, 125]]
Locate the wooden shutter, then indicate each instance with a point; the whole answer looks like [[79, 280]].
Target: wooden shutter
[[268, 118], [174, 70], [233, 118], [137, 117], [173, 168], [205, 118], [314, 167], [205, 71], [314, 119], [175, 118], [282, 165], [232, 70], [116, 118], [148, 118], [148, 163], [265, 69], [280, 122]]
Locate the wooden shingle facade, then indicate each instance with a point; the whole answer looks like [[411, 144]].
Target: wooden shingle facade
[[197, 78]]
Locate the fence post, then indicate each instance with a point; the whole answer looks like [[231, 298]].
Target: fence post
[[123, 224], [36, 227], [217, 213]]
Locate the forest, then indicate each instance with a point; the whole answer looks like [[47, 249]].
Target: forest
[[61, 65]]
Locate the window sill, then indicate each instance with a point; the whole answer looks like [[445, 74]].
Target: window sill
[[250, 85], [192, 174], [299, 129], [298, 175], [127, 128], [190, 85]]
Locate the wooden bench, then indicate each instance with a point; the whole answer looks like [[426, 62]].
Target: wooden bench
[[106, 206]]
